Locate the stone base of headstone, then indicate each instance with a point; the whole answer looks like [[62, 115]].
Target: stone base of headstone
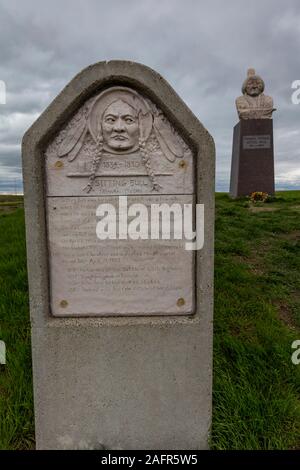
[[252, 165]]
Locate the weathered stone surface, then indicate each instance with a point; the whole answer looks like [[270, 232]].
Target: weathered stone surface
[[132, 381]]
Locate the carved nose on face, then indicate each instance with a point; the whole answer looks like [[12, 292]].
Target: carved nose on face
[[119, 125]]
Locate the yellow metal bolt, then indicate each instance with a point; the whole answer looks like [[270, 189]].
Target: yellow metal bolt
[[180, 302], [63, 303], [59, 164], [182, 164]]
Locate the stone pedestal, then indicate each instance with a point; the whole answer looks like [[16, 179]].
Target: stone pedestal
[[252, 165]]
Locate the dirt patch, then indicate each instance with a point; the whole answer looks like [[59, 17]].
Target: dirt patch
[[263, 209], [3, 390], [255, 262], [244, 330], [285, 315], [8, 208], [256, 270], [295, 235]]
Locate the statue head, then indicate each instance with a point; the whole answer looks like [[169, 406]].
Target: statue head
[[120, 126], [121, 120], [253, 85]]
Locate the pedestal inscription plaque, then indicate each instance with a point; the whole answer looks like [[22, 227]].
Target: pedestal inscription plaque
[[121, 328], [256, 142]]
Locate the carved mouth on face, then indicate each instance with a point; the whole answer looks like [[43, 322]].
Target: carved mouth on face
[[120, 137]]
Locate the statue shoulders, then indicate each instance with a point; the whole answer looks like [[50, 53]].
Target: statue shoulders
[[268, 100], [241, 101]]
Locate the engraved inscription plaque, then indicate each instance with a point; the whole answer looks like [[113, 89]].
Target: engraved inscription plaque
[[256, 142], [110, 277], [118, 143]]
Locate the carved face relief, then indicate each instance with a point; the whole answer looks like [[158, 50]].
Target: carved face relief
[[120, 126], [119, 139], [254, 87]]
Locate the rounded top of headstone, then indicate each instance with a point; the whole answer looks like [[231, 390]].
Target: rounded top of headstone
[[253, 77], [127, 74]]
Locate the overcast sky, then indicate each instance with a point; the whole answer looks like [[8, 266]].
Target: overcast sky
[[202, 48]]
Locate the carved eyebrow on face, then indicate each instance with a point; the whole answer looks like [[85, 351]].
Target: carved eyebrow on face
[[124, 116]]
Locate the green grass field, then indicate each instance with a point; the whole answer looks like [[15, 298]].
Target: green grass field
[[16, 409], [257, 317]]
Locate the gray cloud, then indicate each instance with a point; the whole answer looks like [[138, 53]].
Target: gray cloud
[[202, 48]]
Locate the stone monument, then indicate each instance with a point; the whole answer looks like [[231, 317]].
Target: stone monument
[[121, 327], [252, 164]]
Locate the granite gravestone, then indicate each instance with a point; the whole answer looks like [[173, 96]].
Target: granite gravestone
[[252, 164], [121, 328]]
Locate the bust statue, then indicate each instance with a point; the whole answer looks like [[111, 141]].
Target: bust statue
[[254, 104]]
